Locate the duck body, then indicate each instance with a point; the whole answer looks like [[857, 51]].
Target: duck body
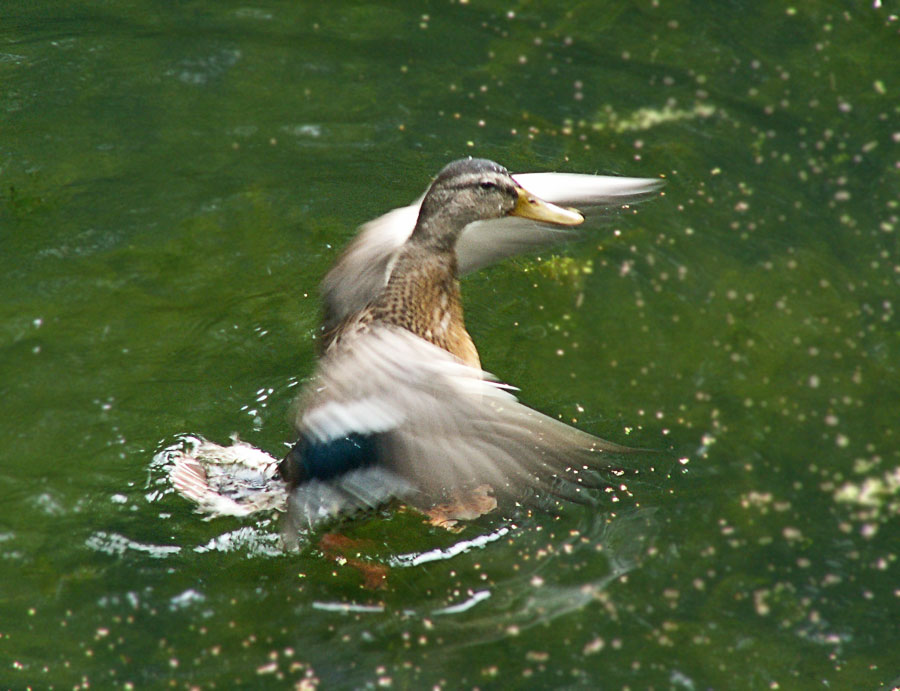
[[398, 406]]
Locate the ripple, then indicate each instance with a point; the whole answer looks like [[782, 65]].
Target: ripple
[[117, 545]]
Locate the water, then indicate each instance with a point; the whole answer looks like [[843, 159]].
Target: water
[[177, 179]]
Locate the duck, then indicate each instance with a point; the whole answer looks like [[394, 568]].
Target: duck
[[399, 408]]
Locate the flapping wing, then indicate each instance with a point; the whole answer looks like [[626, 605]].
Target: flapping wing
[[435, 426], [485, 242], [364, 267], [588, 192]]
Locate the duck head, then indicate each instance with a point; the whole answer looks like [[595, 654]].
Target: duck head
[[475, 189]]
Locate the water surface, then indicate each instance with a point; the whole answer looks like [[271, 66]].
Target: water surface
[[177, 178]]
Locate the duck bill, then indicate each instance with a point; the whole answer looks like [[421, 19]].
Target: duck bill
[[536, 209]]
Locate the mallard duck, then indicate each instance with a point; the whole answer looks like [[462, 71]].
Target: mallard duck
[[399, 406]]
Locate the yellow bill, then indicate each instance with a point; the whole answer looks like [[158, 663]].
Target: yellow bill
[[536, 209]]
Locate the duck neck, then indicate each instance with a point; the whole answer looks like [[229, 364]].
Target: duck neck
[[439, 225]]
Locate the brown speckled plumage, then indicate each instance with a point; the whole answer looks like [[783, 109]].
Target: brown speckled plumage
[[422, 296]]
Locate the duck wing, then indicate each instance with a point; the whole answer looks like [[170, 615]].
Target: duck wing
[[365, 265], [393, 416]]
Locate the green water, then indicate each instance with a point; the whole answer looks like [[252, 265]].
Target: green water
[[177, 177]]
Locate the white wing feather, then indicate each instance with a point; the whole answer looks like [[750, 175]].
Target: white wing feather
[[364, 267]]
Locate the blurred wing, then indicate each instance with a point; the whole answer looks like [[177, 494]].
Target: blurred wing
[[438, 426], [235, 480], [364, 267], [588, 192]]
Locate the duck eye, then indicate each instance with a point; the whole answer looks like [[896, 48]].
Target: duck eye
[[488, 185]]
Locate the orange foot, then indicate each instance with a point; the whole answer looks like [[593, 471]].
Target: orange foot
[[337, 548], [463, 506]]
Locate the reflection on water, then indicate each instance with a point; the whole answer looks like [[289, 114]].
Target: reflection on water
[[117, 545], [529, 572], [253, 541], [460, 547]]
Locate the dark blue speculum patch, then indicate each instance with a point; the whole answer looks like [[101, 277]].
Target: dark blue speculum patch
[[315, 460]]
